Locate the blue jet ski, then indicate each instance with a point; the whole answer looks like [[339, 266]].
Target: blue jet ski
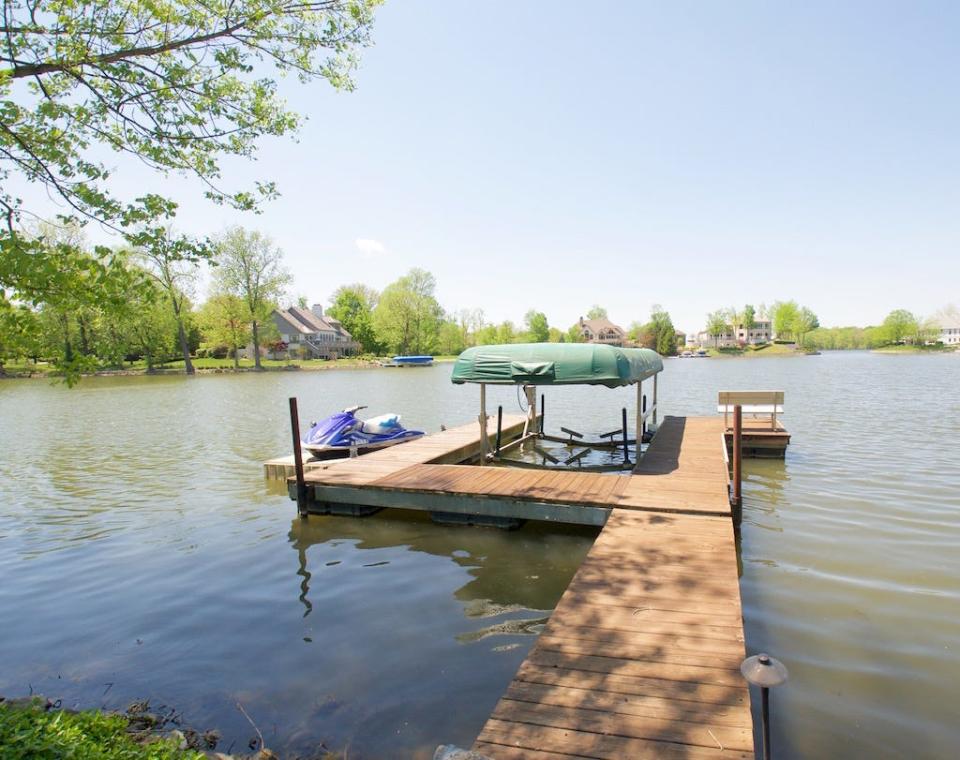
[[342, 434]]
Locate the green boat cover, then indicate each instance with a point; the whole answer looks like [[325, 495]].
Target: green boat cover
[[556, 364]]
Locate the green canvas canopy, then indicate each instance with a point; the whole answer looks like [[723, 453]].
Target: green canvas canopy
[[556, 364]]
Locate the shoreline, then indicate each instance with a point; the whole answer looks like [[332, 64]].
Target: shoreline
[[228, 370], [370, 364]]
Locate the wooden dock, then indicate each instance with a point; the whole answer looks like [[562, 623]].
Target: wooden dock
[[641, 656], [682, 471], [454, 445]]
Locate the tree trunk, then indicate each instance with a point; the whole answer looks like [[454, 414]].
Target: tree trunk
[[184, 347], [256, 344], [67, 347], [182, 336], [236, 356], [84, 339]]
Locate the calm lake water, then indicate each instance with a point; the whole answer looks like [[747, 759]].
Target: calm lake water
[[142, 554]]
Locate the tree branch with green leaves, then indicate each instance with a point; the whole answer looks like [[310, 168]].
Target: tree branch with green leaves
[[179, 85]]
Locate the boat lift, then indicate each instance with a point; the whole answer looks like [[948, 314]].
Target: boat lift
[[528, 365]]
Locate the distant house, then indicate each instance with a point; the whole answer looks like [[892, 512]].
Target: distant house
[[726, 339], [738, 335], [601, 331], [760, 332], [949, 331], [310, 333]]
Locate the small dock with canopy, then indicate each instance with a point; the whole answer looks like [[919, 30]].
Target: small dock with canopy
[[535, 365]]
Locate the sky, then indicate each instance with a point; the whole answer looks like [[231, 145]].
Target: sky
[[696, 155]]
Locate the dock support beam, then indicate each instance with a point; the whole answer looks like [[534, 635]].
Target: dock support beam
[[640, 420], [736, 501], [484, 441], [298, 458], [655, 410], [530, 391], [626, 449]]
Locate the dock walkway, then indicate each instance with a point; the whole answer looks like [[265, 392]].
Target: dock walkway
[[641, 656]]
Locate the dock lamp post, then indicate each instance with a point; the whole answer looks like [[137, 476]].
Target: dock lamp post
[[766, 672]]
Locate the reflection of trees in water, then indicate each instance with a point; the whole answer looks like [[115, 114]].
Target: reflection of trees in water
[[525, 569]]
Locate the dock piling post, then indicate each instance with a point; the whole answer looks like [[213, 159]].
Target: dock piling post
[[543, 411], [626, 449], [644, 407], [655, 401], [484, 440], [499, 428], [737, 500], [298, 458]]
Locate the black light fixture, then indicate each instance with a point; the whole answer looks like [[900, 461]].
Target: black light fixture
[[766, 672]]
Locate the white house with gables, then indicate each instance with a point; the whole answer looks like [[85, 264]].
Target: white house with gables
[[312, 334], [739, 335], [949, 331]]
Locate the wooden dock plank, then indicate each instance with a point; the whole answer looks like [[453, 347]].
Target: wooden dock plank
[[508, 739], [641, 656]]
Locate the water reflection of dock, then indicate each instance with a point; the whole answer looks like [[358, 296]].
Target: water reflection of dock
[[641, 656]]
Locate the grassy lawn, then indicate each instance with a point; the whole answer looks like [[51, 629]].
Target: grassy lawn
[[26, 367], [767, 349], [30, 731], [938, 348]]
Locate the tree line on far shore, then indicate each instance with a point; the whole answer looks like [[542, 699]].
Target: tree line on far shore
[[147, 313], [792, 323]]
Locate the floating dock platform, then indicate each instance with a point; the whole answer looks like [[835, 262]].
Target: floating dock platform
[[760, 439], [641, 656]]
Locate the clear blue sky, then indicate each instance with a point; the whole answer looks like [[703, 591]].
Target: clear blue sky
[[553, 155]]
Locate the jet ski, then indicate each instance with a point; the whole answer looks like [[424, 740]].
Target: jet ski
[[343, 434]]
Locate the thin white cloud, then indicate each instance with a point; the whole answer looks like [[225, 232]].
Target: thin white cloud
[[370, 248]]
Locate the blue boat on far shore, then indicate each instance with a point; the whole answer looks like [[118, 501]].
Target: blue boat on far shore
[[409, 361]]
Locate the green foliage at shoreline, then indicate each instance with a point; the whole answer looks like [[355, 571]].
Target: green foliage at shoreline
[[31, 731]]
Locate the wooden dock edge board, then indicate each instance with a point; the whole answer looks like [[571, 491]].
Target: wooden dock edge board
[[464, 504]]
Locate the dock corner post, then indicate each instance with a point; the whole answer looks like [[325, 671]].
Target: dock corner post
[[530, 391], [298, 458], [499, 429], [639, 417], [484, 443], [626, 448], [543, 412], [655, 410], [737, 499]]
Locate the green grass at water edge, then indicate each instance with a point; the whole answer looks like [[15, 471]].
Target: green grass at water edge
[[765, 349], [908, 349], [39, 734]]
